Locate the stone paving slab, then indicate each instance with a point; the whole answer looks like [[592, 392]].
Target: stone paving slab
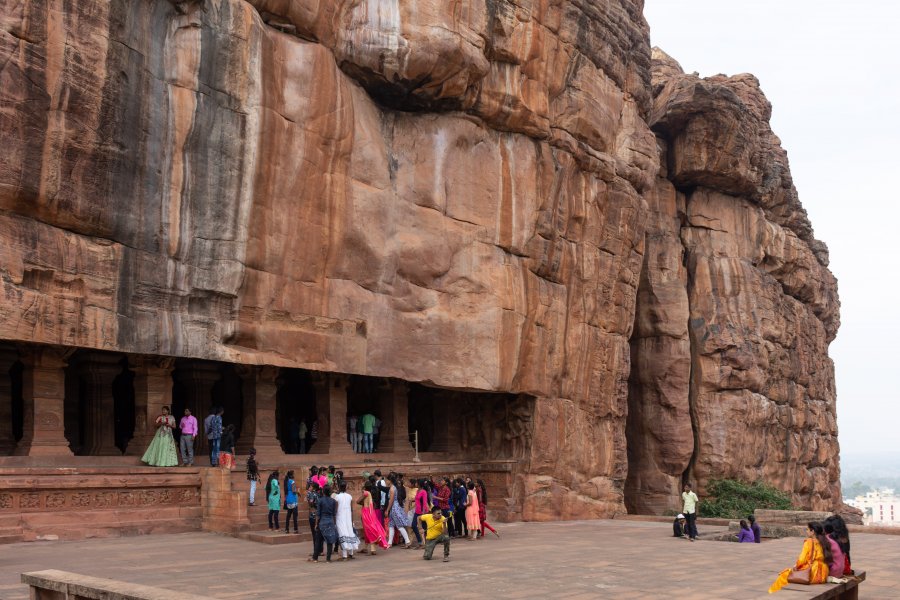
[[575, 559]]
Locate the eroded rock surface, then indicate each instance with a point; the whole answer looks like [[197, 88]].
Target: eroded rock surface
[[465, 194]]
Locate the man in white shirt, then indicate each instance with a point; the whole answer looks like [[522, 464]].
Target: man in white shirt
[[691, 501]]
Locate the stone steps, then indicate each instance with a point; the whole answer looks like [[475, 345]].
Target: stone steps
[[276, 537]]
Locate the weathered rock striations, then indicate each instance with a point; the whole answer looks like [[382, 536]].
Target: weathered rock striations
[[763, 306], [464, 194]]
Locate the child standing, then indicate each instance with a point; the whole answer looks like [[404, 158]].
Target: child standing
[[273, 496], [252, 475]]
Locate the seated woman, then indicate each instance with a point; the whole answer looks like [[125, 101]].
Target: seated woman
[[815, 556], [745, 536]]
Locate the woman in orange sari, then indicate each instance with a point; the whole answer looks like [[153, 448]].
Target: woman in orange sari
[[815, 556]]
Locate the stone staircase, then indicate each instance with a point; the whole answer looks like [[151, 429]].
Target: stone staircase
[[258, 530]]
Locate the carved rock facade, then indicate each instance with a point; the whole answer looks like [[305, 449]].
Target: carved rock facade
[[466, 195]]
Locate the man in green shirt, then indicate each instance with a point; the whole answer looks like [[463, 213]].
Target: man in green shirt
[[368, 427]]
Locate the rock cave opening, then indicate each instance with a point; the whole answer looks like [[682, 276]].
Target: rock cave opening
[[295, 403]]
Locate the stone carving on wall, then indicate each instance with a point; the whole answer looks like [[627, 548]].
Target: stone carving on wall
[[30, 501], [6, 501], [55, 500]]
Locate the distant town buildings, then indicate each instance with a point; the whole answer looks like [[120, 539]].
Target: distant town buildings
[[880, 508]]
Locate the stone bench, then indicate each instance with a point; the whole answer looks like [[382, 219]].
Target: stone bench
[[839, 591], [62, 585]]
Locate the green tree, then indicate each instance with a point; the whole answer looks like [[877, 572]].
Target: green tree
[[732, 499]]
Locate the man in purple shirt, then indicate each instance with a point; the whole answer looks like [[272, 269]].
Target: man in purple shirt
[[188, 428]]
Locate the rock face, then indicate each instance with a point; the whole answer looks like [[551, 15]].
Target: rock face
[[746, 375], [463, 194]]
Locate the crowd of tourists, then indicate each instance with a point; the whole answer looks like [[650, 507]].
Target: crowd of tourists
[[394, 510]]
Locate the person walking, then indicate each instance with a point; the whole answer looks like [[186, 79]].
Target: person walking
[[252, 475], [690, 500], [188, 426], [162, 452], [212, 424], [346, 534], [290, 502], [435, 525], [313, 492], [326, 528], [273, 497], [396, 515], [482, 508], [472, 520], [372, 527]]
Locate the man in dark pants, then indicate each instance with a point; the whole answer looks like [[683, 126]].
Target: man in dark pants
[[691, 503], [459, 506]]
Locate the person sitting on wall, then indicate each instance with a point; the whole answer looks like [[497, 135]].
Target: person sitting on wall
[[678, 526], [754, 527]]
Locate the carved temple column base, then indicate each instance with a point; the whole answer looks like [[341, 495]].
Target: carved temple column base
[[258, 425], [43, 392]]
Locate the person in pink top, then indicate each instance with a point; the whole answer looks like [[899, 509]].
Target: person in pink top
[[421, 507], [836, 568], [188, 427], [321, 478]]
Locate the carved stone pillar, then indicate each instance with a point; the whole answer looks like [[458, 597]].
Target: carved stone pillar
[[8, 356], [331, 412], [393, 407], [97, 370], [43, 392], [446, 438], [258, 426], [152, 391], [198, 379]]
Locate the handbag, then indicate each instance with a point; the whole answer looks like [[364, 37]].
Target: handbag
[[800, 576]]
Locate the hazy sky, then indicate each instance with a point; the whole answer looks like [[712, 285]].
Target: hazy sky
[[831, 70]]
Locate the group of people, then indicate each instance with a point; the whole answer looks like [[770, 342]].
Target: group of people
[[392, 509], [825, 555], [162, 451]]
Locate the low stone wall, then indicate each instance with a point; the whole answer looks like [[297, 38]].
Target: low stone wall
[[62, 585], [77, 503]]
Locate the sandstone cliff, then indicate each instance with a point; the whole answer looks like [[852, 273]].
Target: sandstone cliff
[[465, 194]]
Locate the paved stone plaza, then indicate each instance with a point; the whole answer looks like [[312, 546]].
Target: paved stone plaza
[[576, 559]]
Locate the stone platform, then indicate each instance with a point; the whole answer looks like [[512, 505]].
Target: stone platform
[[72, 498], [576, 559]]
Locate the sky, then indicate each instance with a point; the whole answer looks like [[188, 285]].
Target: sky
[[831, 70]]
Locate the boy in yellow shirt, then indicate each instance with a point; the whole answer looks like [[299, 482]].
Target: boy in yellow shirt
[[435, 533]]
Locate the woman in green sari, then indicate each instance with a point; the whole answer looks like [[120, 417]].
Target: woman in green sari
[[162, 452]]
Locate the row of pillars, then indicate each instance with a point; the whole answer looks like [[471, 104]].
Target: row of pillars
[[44, 389]]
